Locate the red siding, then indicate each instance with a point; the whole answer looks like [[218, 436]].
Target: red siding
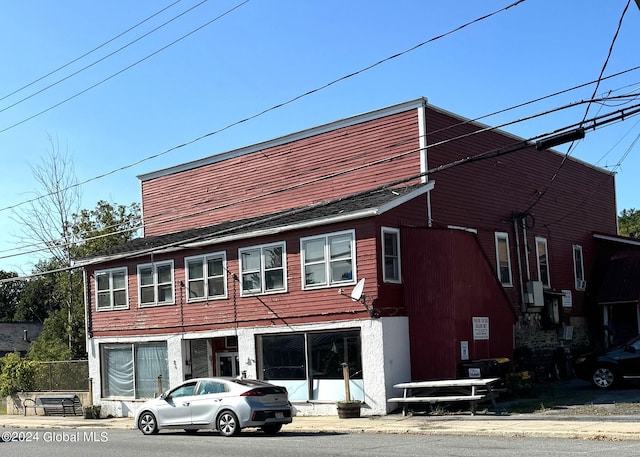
[[294, 306], [448, 281], [483, 195], [285, 176]]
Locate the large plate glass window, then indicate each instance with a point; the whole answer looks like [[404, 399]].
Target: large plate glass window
[[391, 255], [132, 370], [309, 364], [328, 260], [542, 256], [155, 283], [503, 259], [263, 269], [206, 276], [111, 289]]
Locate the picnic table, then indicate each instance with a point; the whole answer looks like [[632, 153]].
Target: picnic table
[[473, 390]]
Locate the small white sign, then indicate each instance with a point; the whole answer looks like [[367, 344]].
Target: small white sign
[[480, 328], [475, 373], [464, 350], [567, 299]]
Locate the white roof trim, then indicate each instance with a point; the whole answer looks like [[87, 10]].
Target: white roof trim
[[617, 239], [361, 214], [347, 122]]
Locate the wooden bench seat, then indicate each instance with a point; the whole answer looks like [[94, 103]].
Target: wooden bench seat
[[442, 399]]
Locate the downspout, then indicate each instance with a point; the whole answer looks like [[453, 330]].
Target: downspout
[[523, 305], [422, 140], [526, 248]]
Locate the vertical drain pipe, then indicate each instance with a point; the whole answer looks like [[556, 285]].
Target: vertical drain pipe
[[523, 305]]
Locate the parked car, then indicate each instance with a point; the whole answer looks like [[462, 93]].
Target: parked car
[[608, 368], [223, 404]]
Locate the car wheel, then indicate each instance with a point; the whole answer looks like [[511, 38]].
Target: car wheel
[[271, 429], [191, 431], [227, 424], [603, 377], [147, 423]]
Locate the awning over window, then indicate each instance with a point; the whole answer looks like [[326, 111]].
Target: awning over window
[[621, 282]]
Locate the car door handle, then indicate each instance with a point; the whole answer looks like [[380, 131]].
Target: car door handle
[[186, 403]]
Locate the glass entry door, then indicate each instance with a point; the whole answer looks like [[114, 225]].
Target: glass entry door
[[228, 364]]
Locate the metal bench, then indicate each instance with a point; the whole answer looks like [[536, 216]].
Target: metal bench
[[54, 405]]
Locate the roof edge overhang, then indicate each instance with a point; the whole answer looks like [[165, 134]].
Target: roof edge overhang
[[622, 302], [207, 240], [302, 134], [617, 239]]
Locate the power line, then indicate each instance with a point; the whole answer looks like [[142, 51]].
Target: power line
[[261, 113], [88, 52], [540, 195], [119, 72]]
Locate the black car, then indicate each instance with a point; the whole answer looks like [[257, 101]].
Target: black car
[[607, 369]]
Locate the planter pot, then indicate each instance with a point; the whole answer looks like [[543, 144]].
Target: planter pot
[[91, 412], [349, 410]]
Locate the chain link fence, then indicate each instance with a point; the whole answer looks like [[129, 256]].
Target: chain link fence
[[72, 375]]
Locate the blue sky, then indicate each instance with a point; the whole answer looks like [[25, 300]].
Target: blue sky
[[265, 53]]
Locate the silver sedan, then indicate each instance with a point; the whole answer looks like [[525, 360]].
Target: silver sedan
[[223, 404]]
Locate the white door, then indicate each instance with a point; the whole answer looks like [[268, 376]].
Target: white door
[[228, 364]]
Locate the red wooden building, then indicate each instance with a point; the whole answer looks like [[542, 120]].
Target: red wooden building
[[249, 259]]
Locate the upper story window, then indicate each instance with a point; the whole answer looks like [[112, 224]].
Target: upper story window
[[542, 256], [391, 255], [328, 260], [503, 259], [263, 269], [155, 283], [111, 289], [578, 267], [206, 276]]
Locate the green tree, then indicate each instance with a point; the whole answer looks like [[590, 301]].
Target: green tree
[[10, 292], [54, 219], [105, 226], [16, 374], [629, 223]]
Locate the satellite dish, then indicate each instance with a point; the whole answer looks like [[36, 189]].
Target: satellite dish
[[356, 294]]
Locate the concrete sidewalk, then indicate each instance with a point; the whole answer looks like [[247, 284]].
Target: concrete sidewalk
[[529, 425]]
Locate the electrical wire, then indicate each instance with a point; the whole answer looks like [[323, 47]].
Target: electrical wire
[[249, 118], [123, 69], [540, 195], [62, 67]]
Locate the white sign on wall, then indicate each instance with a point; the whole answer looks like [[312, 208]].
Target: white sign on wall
[[464, 350], [480, 328], [567, 299]]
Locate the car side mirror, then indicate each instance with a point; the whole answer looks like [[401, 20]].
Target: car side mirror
[[165, 396]]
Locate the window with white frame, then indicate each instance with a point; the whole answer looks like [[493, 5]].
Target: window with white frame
[[132, 370], [503, 259], [263, 269], [155, 283], [391, 255], [328, 260], [206, 276], [111, 289], [542, 257], [578, 267]]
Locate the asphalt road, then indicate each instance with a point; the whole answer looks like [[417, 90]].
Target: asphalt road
[[100, 443]]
